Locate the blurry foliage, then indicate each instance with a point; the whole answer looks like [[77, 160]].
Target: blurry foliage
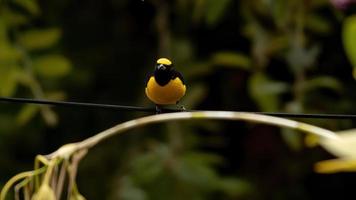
[[260, 55], [186, 175], [32, 66], [348, 33], [21, 62], [177, 175]]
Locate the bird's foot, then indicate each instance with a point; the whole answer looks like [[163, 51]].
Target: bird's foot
[[158, 109], [182, 108]]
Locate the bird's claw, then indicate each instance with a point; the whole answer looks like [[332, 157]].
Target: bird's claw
[[182, 108], [158, 109]]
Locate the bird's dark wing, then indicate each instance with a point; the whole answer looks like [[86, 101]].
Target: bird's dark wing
[[148, 76], [179, 75]]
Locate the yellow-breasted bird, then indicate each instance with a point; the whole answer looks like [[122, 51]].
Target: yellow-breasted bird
[[165, 86]]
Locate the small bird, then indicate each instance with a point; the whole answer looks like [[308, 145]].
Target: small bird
[[166, 85]]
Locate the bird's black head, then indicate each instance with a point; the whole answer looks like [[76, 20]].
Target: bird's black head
[[163, 71], [163, 64]]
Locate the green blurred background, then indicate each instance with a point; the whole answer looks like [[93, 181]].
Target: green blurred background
[[259, 55]]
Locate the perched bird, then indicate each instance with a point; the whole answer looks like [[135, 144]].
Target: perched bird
[[166, 85]]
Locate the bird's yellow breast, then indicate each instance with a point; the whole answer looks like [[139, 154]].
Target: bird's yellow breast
[[167, 94]]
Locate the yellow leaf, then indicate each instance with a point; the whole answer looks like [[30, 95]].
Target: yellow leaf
[[335, 165]]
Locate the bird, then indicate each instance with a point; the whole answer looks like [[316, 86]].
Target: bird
[[165, 86]]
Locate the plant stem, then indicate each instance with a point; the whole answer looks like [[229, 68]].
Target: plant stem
[[69, 149]]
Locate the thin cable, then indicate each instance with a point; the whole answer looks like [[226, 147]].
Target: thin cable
[[148, 109], [74, 104]]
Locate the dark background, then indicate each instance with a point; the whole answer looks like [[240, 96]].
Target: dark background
[[281, 56]]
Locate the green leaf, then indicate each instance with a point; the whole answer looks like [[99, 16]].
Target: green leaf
[[299, 57], [348, 37], [203, 158], [52, 66], [26, 114], [3, 32], [318, 24], [39, 39], [50, 117], [198, 10], [293, 139], [129, 191], [322, 82], [196, 170], [215, 9], [266, 92], [231, 59], [197, 69], [6, 123], [24, 78], [195, 96], [235, 187], [149, 166], [279, 11], [196, 174], [182, 51], [29, 5], [8, 80], [56, 95], [9, 54], [13, 18], [319, 3]]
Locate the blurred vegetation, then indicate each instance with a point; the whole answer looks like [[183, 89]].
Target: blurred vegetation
[[292, 56]]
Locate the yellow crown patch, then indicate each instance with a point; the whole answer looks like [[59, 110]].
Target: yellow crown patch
[[164, 61]]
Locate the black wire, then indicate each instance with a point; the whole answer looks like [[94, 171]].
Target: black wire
[[148, 109], [78, 104]]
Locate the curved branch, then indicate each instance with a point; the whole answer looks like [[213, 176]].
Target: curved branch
[[69, 149]]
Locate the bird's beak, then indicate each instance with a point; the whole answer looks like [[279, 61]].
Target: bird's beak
[[161, 67]]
